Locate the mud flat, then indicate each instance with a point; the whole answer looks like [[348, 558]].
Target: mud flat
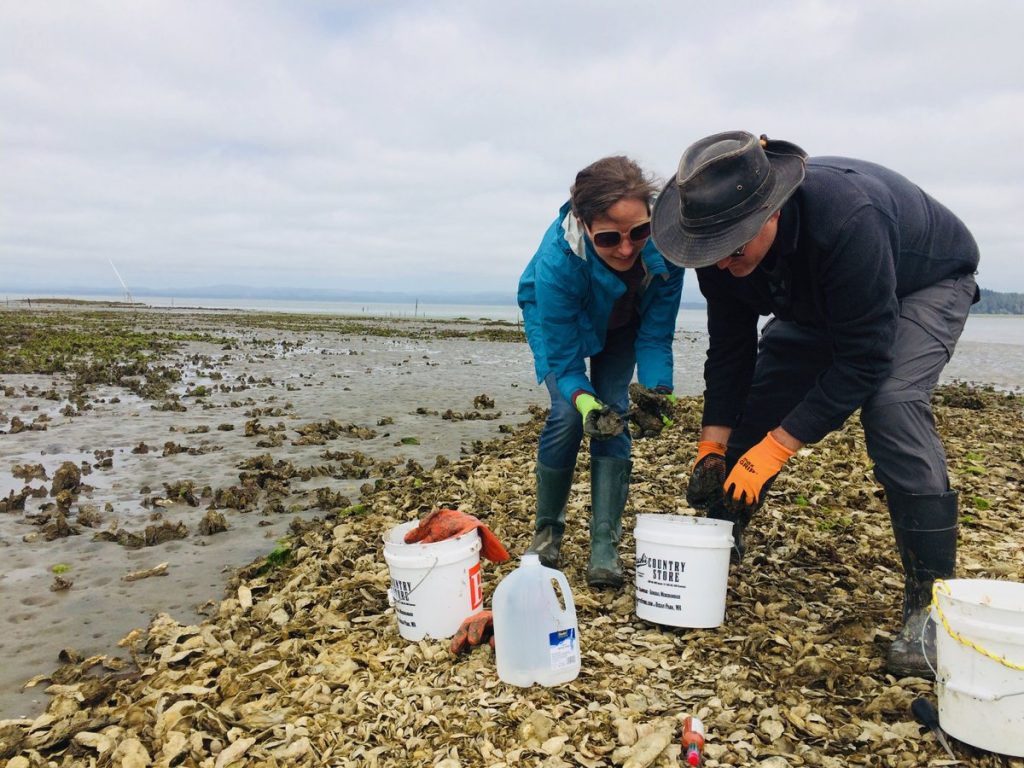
[[301, 663], [373, 397]]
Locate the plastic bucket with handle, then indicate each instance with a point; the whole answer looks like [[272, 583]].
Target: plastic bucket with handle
[[979, 648], [682, 569], [435, 586]]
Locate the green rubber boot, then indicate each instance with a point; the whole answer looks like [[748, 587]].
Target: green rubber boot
[[609, 487], [553, 486], [925, 530]]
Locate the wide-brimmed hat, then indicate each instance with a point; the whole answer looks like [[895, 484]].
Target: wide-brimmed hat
[[726, 188]]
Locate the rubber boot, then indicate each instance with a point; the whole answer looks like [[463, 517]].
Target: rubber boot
[[553, 486], [925, 531], [609, 487]]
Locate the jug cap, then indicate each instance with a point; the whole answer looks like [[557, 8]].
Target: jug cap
[[530, 558]]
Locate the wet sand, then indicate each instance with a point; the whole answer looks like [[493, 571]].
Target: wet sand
[[310, 377]]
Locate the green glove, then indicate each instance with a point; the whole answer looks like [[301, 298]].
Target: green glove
[[650, 411], [672, 400], [585, 403], [599, 420]]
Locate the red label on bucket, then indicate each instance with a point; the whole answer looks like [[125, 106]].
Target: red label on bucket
[[476, 589]]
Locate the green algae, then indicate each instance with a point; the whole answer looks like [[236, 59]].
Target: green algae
[[92, 348]]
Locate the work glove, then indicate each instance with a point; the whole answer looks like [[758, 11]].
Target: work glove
[[750, 479], [651, 408], [476, 630], [600, 422], [444, 524], [665, 392], [707, 476]]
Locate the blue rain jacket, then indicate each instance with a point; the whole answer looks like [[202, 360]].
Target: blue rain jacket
[[567, 293]]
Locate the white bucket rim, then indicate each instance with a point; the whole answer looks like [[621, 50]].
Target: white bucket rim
[[954, 616], [993, 595], [672, 518], [683, 530], [431, 554], [985, 630]]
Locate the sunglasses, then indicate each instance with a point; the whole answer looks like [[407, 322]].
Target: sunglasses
[[610, 239]]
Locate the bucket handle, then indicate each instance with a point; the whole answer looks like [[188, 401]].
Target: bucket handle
[[430, 570], [941, 587], [951, 684], [976, 693]]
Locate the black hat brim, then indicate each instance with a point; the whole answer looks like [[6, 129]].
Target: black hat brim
[[698, 249]]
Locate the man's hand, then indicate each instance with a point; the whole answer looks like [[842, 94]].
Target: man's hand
[[600, 422], [476, 630], [444, 524], [707, 476], [753, 474], [651, 409]]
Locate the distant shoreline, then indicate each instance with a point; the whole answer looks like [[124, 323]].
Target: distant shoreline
[[419, 307], [508, 312], [232, 298]]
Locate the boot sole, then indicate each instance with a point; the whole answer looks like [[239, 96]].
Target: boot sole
[[900, 672], [605, 581], [547, 562]]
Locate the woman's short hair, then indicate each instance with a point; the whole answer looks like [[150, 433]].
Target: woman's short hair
[[603, 183]]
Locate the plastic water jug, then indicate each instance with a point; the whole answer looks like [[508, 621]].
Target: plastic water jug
[[536, 639]]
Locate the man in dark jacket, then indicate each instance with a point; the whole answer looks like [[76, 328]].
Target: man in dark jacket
[[868, 281]]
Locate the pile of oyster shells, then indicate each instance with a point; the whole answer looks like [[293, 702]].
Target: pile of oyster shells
[[302, 663]]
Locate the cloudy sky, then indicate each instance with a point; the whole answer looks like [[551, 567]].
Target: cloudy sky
[[425, 146]]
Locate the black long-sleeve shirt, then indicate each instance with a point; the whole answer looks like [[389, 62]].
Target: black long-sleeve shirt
[[852, 241]]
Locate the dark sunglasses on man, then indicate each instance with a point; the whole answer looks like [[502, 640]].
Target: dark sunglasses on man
[[611, 238]]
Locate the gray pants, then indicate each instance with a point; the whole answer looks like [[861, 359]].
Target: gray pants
[[898, 423]]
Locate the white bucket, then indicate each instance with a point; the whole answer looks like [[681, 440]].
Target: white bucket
[[981, 699], [682, 569], [435, 586]]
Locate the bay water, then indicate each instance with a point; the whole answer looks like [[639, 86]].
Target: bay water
[[990, 351]]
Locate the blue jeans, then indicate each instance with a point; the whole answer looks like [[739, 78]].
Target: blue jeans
[[611, 371]]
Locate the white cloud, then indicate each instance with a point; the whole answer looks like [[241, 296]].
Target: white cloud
[[402, 146]]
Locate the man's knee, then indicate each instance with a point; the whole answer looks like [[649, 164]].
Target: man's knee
[[892, 411], [893, 395], [903, 443]]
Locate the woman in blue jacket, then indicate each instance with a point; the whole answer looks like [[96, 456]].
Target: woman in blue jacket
[[597, 288]]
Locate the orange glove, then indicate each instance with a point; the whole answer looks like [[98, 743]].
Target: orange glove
[[444, 524], [476, 630], [707, 448], [753, 475], [707, 476]]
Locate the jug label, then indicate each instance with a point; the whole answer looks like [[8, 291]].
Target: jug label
[[564, 651], [476, 589]]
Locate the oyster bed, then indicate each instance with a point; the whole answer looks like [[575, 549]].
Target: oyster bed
[[132, 438], [302, 663]]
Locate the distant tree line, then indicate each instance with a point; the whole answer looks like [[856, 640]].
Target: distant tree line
[[995, 303]]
